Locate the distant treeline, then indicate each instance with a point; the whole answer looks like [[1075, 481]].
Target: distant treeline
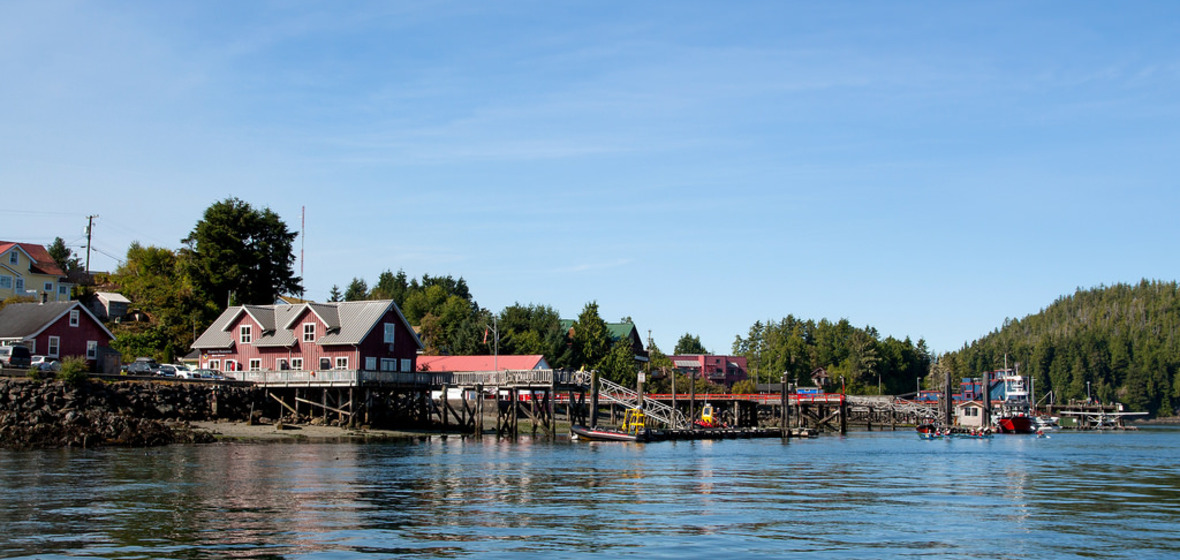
[[1118, 342], [855, 358]]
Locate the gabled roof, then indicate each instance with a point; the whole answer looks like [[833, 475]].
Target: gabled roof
[[617, 331], [24, 321], [481, 363], [348, 322], [42, 262]]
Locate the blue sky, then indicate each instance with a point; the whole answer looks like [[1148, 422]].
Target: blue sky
[[926, 168]]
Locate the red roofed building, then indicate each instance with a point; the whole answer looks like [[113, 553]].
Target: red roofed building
[[26, 269], [481, 363]]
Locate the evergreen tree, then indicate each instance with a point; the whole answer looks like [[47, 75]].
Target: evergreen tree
[[63, 256], [591, 340], [357, 290], [689, 344], [239, 255]]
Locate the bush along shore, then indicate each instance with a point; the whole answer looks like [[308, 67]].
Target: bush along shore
[[89, 413]]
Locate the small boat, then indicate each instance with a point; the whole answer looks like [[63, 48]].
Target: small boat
[[707, 419], [604, 434], [930, 435], [972, 435], [633, 429], [1046, 423]]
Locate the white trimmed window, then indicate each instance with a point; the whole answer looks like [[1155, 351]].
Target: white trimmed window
[[54, 347], [325, 363], [13, 257], [390, 332], [406, 365], [5, 282], [388, 364], [215, 364], [255, 364], [49, 287], [342, 362], [297, 364], [308, 332], [73, 317], [20, 285], [244, 334], [370, 363], [91, 349]]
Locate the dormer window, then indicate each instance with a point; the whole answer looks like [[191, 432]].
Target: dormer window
[[309, 332], [245, 334]]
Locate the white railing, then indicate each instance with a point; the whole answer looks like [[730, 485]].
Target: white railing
[[345, 377], [516, 377]]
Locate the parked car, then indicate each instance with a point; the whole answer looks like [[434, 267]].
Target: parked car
[[43, 363], [143, 366], [15, 356], [209, 374], [167, 370]]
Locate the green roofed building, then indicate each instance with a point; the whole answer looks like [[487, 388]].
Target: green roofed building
[[617, 331]]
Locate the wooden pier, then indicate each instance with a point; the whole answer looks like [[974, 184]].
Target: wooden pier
[[542, 399]]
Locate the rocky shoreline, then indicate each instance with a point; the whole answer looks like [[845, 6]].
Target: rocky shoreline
[[91, 413], [97, 413]]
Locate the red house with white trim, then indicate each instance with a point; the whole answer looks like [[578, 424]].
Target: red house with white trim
[[55, 329], [353, 335]]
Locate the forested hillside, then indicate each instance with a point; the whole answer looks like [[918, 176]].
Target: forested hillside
[[866, 363], [1120, 340]]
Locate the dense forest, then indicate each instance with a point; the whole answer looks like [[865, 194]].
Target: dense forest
[[1117, 343], [855, 358]]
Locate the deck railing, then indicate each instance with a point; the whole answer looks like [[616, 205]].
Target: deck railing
[[343, 377], [352, 377]]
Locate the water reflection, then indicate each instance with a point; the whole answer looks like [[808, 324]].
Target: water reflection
[[865, 495]]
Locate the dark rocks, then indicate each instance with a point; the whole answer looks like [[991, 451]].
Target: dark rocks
[[96, 413]]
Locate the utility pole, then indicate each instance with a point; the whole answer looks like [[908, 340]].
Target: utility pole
[[89, 230]]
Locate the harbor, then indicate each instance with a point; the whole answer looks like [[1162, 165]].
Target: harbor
[[863, 495]]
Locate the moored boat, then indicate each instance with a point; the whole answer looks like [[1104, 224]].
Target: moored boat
[[606, 434], [1011, 413], [633, 429]]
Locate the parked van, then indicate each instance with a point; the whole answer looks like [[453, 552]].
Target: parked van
[[15, 356]]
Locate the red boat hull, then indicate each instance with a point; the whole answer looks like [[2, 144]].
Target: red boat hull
[[1015, 425]]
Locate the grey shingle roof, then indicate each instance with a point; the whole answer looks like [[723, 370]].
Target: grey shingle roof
[[21, 320], [348, 322]]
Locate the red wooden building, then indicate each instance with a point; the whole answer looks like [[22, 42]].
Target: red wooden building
[[55, 329], [355, 336]]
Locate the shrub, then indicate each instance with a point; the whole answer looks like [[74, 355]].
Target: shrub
[[73, 370]]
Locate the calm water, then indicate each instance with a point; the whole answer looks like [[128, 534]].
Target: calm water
[[866, 495]]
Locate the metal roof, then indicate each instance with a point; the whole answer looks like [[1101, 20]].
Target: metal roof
[[348, 322], [26, 320]]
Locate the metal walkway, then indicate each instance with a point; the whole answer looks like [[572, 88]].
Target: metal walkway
[[664, 414]]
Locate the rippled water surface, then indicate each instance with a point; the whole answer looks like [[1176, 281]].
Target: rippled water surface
[[865, 495]]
